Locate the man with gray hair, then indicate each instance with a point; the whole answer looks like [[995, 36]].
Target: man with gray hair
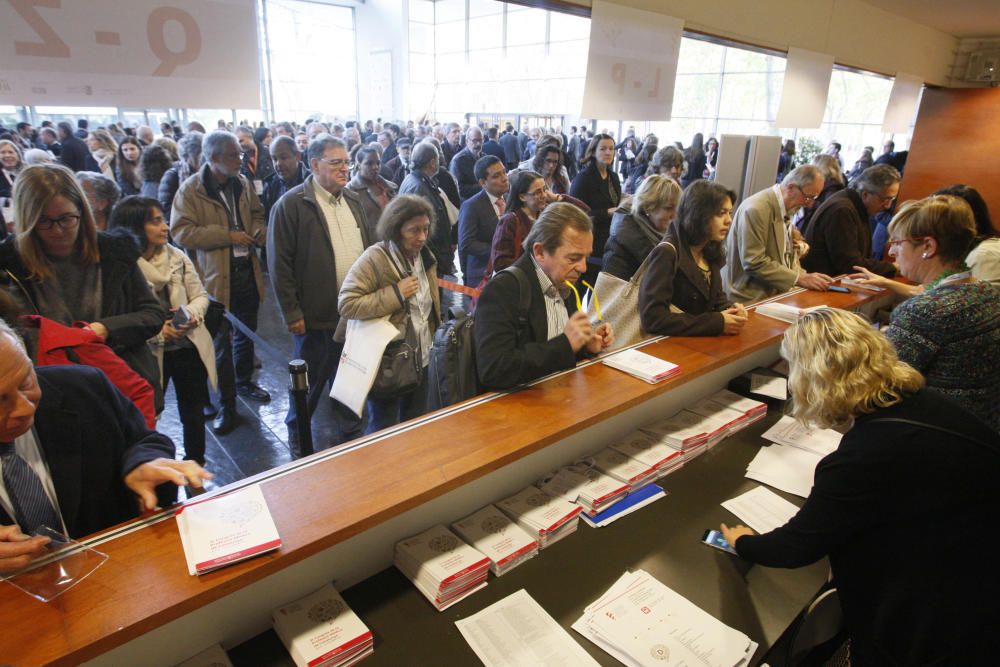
[[189, 152], [218, 218], [462, 166], [527, 324], [102, 194], [452, 143], [763, 248], [840, 233], [423, 181]]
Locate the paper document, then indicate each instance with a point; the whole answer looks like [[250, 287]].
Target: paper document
[[788, 431], [787, 469], [761, 509], [517, 632], [769, 385], [366, 341]]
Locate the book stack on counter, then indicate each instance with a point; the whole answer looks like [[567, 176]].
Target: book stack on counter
[[784, 311], [731, 420], [625, 468], [685, 431], [585, 485], [649, 452], [492, 533], [643, 366], [320, 630], [716, 424], [442, 567], [544, 517], [753, 411]]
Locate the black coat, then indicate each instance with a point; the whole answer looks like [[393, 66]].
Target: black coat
[[272, 188], [477, 222], [440, 242], [589, 187], [627, 246], [840, 238], [462, 167], [76, 156], [511, 151], [904, 513]]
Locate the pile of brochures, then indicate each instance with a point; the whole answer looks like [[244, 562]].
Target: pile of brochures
[[493, 534], [646, 449], [685, 431], [643, 366], [623, 467], [585, 485], [545, 518], [790, 463], [442, 567], [320, 630], [784, 312], [752, 411], [639, 621]]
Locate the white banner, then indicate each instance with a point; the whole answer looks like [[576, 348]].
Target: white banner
[[805, 89], [134, 53], [902, 104], [632, 63]]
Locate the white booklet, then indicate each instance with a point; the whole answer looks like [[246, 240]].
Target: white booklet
[[439, 555], [643, 366], [788, 431], [647, 450], [538, 512], [747, 406], [784, 311], [492, 533], [682, 430], [321, 629], [624, 467], [226, 529]]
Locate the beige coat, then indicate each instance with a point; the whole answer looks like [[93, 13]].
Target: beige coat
[[755, 248], [199, 222]]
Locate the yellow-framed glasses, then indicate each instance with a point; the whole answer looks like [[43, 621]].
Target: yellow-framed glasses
[[593, 293]]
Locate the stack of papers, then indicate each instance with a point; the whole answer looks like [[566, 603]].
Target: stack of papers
[[772, 386], [493, 534], [640, 621], [787, 431], [761, 509], [585, 485], [623, 467], [643, 366], [784, 312], [633, 501], [442, 567], [546, 519], [320, 630], [647, 450], [787, 469], [226, 529], [685, 431], [752, 410]]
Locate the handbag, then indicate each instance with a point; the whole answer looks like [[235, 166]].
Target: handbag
[[400, 370], [214, 315], [619, 301]]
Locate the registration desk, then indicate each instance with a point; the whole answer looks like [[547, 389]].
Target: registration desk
[[339, 514]]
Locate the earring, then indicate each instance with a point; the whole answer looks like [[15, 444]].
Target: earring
[[924, 256]]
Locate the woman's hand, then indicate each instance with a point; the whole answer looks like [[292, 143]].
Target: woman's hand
[[734, 533], [408, 286], [866, 277], [98, 329], [734, 318]]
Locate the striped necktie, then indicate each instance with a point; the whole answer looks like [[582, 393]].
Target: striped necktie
[[32, 507]]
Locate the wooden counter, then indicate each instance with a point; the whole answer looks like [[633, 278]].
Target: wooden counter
[[367, 493]]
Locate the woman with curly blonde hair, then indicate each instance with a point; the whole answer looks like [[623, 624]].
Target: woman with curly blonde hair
[[897, 507]]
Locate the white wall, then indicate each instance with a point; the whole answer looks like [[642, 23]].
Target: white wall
[[381, 26]]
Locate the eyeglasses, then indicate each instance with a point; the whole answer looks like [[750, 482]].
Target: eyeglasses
[[336, 163], [809, 197], [552, 161], [536, 193], [915, 239], [65, 223], [881, 198]]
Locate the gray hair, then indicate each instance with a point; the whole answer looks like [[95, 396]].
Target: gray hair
[[876, 179], [7, 330], [214, 143], [548, 228], [37, 156], [104, 187], [802, 176], [189, 145], [422, 154], [322, 142], [398, 212], [655, 192]]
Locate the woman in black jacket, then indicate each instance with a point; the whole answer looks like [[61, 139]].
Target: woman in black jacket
[[598, 186], [635, 231], [903, 507], [696, 161]]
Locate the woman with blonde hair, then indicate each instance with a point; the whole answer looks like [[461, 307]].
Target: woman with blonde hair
[[11, 163], [635, 231], [898, 508], [104, 148]]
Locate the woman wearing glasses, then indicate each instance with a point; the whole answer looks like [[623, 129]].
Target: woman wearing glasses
[[59, 266], [548, 162]]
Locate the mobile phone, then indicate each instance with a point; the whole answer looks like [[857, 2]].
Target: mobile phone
[[181, 317], [714, 539], [838, 288]]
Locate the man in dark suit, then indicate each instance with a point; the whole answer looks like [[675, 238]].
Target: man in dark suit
[[517, 344], [462, 166], [452, 143], [75, 454], [477, 221], [492, 146], [73, 153], [512, 155]]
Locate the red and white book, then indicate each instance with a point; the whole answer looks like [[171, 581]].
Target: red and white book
[[320, 630], [754, 410], [492, 533], [732, 419], [625, 468], [442, 567], [684, 431], [585, 485], [226, 529], [649, 451], [643, 366], [545, 517]]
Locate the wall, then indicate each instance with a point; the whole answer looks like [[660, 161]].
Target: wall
[[956, 140], [381, 26]]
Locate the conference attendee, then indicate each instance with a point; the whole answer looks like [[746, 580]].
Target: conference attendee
[[219, 220], [38, 156], [373, 191], [386, 141], [479, 215], [628, 151], [667, 161], [929, 602], [189, 152], [302, 142], [127, 166], [11, 163], [984, 258], [153, 165], [637, 230], [786, 159], [24, 136], [423, 181], [840, 233], [396, 278], [76, 455], [462, 165], [262, 138], [711, 157], [762, 255], [548, 162], [73, 153], [289, 171], [59, 266], [508, 140], [397, 167], [452, 142], [864, 162], [639, 169], [696, 160], [183, 346], [316, 233], [513, 347], [950, 332], [102, 195], [144, 133], [833, 150], [681, 292], [492, 146], [49, 140], [597, 186], [251, 162], [833, 182], [104, 150]]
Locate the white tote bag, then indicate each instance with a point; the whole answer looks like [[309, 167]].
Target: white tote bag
[[363, 348]]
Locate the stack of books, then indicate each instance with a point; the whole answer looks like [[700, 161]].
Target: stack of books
[[442, 567], [784, 312], [648, 451], [625, 468], [732, 420], [684, 431], [643, 366], [320, 630], [493, 534], [585, 485], [753, 411], [545, 518]]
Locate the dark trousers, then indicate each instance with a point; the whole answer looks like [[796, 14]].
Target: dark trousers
[[233, 349], [386, 412], [322, 356], [185, 368]]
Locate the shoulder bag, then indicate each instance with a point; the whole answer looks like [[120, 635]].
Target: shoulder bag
[[400, 370]]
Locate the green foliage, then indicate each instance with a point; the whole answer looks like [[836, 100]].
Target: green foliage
[[806, 148]]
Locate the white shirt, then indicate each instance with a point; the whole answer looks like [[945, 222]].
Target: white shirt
[[556, 315], [345, 235], [27, 448]]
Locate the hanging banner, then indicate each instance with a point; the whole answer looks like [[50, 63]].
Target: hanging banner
[[805, 89], [902, 107], [632, 63], [140, 53]]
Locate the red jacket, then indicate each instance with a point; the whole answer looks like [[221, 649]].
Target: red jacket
[[60, 345]]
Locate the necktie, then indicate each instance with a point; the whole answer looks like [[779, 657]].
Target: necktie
[[32, 507], [501, 205]]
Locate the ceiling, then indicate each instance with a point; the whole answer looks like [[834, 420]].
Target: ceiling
[[959, 18]]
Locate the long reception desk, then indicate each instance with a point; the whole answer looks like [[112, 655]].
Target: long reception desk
[[339, 513]]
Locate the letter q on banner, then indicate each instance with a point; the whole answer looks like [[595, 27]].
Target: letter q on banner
[[144, 53], [632, 63]]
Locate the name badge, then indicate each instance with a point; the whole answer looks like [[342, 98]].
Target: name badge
[[241, 251], [258, 186]]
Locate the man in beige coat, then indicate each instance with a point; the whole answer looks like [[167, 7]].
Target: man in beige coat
[[218, 218]]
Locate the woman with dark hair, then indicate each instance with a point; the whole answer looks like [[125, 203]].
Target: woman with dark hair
[[153, 164], [375, 192], [786, 160], [598, 186], [548, 162], [984, 258], [127, 166], [712, 157], [262, 139], [628, 151], [397, 277], [638, 172], [183, 347], [696, 160], [681, 293]]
